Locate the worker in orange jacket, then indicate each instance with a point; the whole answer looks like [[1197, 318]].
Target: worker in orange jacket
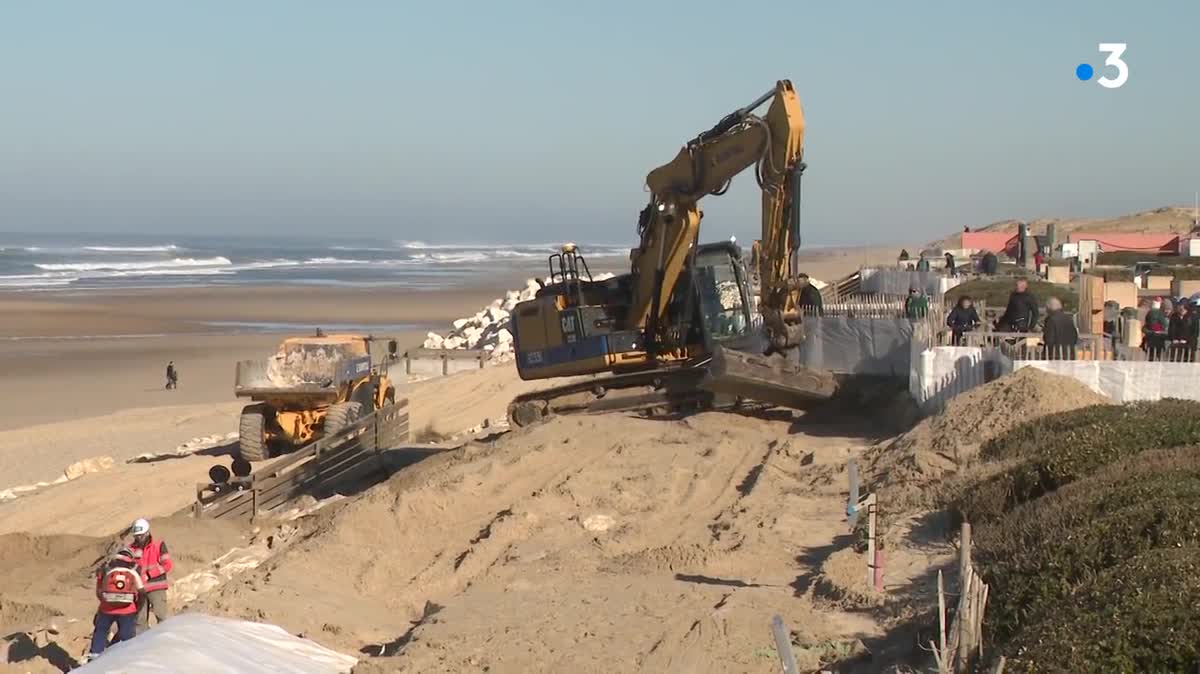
[[155, 563], [119, 589]]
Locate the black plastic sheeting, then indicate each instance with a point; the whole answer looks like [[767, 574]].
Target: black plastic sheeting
[[872, 346]]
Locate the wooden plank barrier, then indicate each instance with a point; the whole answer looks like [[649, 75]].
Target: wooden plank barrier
[[320, 467]]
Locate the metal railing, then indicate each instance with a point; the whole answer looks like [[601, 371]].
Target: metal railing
[[1029, 346], [1161, 352], [324, 465]]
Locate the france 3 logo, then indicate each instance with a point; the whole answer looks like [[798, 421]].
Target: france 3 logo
[[1115, 50]]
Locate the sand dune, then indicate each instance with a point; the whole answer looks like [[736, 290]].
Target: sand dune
[[599, 544]]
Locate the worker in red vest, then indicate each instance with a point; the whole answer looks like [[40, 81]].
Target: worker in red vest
[[155, 563], [119, 589]]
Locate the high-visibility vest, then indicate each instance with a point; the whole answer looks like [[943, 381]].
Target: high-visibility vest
[[155, 563]]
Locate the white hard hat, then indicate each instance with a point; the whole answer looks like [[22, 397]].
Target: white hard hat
[[139, 527]]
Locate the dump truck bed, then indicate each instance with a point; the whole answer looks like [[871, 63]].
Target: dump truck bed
[[275, 377]]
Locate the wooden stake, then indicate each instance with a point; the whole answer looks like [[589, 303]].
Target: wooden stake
[[979, 622], [963, 623], [783, 646], [941, 614], [872, 553], [964, 556]]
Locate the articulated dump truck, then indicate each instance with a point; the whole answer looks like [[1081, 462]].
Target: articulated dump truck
[[312, 387]]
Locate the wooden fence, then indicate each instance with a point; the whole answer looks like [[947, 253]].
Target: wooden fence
[[322, 466], [960, 643]]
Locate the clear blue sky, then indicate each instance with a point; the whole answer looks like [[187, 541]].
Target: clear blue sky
[[539, 120]]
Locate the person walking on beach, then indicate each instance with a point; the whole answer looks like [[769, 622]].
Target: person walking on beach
[[155, 563], [119, 589], [172, 376]]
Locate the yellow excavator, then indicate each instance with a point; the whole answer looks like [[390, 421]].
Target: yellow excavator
[[678, 332]]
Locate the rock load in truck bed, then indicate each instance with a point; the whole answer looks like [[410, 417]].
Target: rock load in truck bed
[[297, 365], [304, 364]]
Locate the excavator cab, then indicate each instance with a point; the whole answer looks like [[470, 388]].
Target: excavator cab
[[723, 291], [573, 325]]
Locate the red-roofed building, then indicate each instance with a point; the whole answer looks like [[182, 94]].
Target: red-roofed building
[[1111, 242], [996, 242]]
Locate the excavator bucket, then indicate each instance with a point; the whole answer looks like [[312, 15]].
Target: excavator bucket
[[772, 379]]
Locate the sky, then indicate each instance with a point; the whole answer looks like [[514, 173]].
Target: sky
[[534, 121]]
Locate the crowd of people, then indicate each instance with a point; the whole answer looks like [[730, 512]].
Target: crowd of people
[[1171, 328], [1022, 314], [131, 584]]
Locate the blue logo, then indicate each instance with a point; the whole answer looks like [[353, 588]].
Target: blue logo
[[1084, 72]]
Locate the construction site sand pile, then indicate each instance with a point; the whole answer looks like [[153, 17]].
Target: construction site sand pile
[[488, 329], [587, 544], [949, 442]]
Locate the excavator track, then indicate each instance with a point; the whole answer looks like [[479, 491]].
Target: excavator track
[[726, 376], [660, 390]]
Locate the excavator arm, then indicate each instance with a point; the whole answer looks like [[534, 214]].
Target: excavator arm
[[669, 225]]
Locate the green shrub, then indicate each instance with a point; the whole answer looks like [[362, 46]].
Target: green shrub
[[995, 291], [1139, 616], [1038, 555], [1130, 258], [1117, 275], [1061, 448]]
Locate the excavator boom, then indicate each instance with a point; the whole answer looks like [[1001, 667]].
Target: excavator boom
[[706, 165]]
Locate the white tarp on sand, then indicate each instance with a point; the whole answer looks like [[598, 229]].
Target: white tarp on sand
[[194, 642]]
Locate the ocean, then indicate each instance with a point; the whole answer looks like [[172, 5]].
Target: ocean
[[30, 262]]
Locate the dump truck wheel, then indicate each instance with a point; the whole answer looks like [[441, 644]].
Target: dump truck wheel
[[252, 436], [340, 417]]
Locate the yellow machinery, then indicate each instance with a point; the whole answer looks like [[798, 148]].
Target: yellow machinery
[[662, 327], [311, 387]]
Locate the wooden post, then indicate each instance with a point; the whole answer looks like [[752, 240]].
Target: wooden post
[[964, 556], [783, 646], [876, 579], [941, 589], [852, 505], [979, 613], [962, 622], [253, 503]]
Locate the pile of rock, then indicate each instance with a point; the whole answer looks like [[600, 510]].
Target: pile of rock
[[488, 329]]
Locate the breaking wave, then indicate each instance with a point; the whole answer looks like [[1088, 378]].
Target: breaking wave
[[179, 262]]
